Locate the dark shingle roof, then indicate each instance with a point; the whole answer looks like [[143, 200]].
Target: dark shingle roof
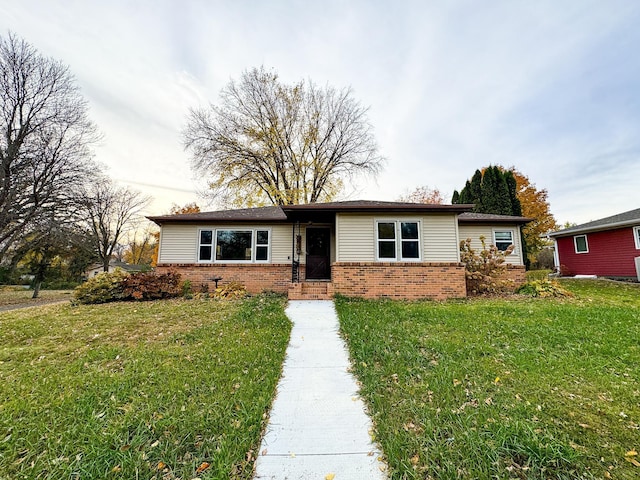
[[632, 217], [472, 217], [265, 214], [287, 212]]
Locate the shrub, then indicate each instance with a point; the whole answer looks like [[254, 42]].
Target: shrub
[[150, 286], [185, 288], [484, 270], [538, 275], [543, 288], [104, 287], [230, 290]]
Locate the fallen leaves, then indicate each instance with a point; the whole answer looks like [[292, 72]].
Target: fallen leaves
[[630, 457], [203, 466]]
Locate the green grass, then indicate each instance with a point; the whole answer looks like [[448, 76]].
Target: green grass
[[138, 390], [11, 295], [503, 388]]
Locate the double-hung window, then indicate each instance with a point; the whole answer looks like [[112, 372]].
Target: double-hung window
[[636, 236], [397, 240], [503, 239], [581, 244], [230, 245]]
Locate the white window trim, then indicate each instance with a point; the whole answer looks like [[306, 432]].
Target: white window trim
[[575, 244], [255, 245], [513, 238], [636, 236], [199, 244], [254, 239], [398, 239]]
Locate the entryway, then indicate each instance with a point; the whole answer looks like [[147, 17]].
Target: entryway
[[318, 259]]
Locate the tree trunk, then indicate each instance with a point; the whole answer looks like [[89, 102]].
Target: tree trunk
[[36, 288]]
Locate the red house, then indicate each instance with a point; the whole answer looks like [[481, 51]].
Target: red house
[[609, 247]]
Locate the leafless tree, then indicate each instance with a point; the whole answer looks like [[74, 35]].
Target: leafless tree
[[111, 212], [45, 136], [268, 142]]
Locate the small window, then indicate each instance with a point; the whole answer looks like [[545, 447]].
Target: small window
[[410, 241], [205, 246], [233, 245], [636, 236], [262, 245], [581, 244], [503, 239], [408, 246], [387, 240]]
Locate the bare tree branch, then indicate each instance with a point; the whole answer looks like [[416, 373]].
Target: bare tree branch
[[45, 136], [110, 212], [268, 142]]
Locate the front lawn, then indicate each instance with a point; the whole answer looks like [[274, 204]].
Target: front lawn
[[164, 390], [503, 388], [14, 295]]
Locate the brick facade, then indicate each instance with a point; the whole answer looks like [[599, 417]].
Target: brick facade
[[517, 274], [401, 280], [256, 277]]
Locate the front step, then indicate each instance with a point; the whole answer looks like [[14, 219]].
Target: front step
[[311, 291]]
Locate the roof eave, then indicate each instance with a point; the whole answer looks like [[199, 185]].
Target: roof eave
[[596, 228]]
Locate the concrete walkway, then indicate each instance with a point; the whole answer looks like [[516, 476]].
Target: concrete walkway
[[318, 425]]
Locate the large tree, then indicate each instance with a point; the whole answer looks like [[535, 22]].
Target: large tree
[[110, 213], [535, 205], [45, 134], [268, 142]]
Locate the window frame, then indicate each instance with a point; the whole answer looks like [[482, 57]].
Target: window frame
[[254, 244], [398, 240], [513, 239], [636, 236], [210, 245], [575, 244]]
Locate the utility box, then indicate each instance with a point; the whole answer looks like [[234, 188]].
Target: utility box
[[638, 267]]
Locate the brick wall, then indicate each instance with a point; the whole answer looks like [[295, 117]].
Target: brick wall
[[517, 274], [403, 280], [255, 277]]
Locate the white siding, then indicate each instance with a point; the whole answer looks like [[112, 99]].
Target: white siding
[[178, 244], [440, 238], [474, 232], [281, 238], [355, 238]]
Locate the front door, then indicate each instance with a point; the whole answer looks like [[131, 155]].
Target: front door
[[318, 254]]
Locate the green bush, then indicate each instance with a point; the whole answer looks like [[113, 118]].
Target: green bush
[[149, 286], [538, 275], [543, 288], [104, 287]]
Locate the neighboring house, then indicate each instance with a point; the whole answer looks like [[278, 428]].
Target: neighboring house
[[356, 248], [97, 268], [606, 247]]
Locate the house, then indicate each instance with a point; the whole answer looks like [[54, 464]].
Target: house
[[356, 248], [97, 268], [607, 247]]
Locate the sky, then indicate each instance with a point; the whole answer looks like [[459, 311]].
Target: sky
[[551, 88]]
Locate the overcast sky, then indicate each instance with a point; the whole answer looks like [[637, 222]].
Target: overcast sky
[[552, 88]]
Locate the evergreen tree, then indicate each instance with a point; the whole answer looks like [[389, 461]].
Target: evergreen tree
[[455, 199], [516, 207]]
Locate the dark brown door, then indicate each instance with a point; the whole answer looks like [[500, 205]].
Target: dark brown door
[[318, 254]]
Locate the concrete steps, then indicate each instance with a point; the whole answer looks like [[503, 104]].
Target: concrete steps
[[311, 291]]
